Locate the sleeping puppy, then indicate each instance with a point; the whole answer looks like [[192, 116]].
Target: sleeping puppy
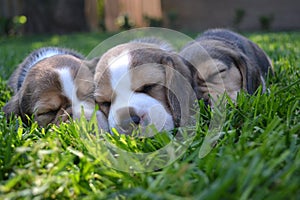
[[52, 84], [226, 62], [141, 84]]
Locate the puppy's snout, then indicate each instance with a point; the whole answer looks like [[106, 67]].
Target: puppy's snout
[[135, 119], [128, 119]]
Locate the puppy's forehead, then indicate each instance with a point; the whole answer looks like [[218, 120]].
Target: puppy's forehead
[[147, 56], [118, 62], [63, 61], [45, 69], [131, 56], [119, 69], [47, 73], [139, 53]]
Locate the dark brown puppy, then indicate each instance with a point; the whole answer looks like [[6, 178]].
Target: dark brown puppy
[[226, 62]]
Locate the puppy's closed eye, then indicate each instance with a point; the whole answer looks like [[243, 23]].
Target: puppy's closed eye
[[50, 112], [53, 111], [147, 88], [105, 106], [46, 116]]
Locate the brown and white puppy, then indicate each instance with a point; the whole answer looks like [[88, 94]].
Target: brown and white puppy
[[226, 62], [52, 84], [143, 83]]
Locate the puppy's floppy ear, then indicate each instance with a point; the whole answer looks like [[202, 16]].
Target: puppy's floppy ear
[[12, 107], [91, 64], [180, 95], [13, 81], [251, 74]]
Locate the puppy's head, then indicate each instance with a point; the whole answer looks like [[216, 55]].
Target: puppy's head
[[220, 67], [139, 85], [54, 89]]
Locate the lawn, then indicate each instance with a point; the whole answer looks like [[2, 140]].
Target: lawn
[[257, 156]]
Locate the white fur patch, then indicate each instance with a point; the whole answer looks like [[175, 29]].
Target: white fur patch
[[67, 83], [121, 79], [69, 89]]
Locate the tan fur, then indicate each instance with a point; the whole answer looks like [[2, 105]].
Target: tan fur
[[103, 91], [151, 75]]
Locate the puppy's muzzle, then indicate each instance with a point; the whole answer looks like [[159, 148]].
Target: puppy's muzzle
[[129, 120]]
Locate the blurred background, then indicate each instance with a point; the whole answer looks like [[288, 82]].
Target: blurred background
[[65, 16]]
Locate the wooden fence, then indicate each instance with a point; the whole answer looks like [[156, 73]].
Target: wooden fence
[[136, 10]]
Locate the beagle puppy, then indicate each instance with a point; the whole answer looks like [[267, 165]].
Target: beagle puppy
[[224, 61], [52, 84], [142, 84]]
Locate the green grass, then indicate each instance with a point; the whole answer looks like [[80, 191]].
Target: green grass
[[258, 156]]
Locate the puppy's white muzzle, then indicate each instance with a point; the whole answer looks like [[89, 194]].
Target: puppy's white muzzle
[[140, 112]]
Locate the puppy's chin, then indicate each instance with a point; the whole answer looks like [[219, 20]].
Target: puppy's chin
[[148, 130]]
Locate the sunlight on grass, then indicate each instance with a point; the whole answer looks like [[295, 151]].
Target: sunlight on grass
[[55, 40], [37, 45]]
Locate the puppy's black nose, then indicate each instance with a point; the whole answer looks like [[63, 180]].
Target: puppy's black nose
[[128, 120], [135, 119]]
